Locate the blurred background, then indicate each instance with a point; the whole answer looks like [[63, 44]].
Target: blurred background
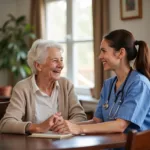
[[79, 26]]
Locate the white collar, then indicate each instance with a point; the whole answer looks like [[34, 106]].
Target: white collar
[[36, 88]]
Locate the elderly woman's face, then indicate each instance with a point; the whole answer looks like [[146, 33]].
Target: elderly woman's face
[[54, 64]]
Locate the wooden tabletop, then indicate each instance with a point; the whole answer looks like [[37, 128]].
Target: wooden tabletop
[[84, 142], [4, 98]]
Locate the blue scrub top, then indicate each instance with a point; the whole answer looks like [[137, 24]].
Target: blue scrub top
[[136, 102]]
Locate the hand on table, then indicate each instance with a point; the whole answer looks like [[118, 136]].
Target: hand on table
[[73, 128], [60, 126], [49, 123]]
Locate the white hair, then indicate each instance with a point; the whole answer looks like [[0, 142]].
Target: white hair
[[39, 52]]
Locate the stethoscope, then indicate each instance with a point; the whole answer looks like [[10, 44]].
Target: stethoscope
[[106, 105]]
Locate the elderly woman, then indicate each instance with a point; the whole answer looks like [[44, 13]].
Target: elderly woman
[[36, 101]]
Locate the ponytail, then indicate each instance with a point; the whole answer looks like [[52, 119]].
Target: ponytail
[[142, 63]]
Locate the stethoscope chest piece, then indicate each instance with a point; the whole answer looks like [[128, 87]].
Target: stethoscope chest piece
[[106, 105]]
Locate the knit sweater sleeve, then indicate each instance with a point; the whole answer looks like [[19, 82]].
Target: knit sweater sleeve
[[76, 111], [12, 120], [69, 103]]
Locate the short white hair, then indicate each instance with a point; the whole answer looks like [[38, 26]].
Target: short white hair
[[39, 52]]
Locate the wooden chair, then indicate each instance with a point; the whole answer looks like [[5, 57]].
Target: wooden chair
[[3, 106], [138, 140]]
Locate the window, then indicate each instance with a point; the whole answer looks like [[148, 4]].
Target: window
[[69, 22]]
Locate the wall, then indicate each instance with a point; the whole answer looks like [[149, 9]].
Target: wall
[[23, 8], [6, 7], [17, 8], [139, 27]]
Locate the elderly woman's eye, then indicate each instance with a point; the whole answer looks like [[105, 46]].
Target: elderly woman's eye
[[54, 60]]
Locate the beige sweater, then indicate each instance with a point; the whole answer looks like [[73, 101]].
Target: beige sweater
[[21, 109]]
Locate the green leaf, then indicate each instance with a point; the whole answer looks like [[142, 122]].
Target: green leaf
[[22, 72], [20, 20], [28, 27], [12, 17], [5, 25], [14, 68], [27, 69], [10, 45], [32, 36], [21, 55]]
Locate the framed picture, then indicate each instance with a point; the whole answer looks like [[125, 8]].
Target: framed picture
[[130, 9]]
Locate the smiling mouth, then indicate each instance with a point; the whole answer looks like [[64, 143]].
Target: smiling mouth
[[55, 71]]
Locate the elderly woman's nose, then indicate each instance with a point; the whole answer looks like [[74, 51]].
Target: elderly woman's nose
[[60, 63]]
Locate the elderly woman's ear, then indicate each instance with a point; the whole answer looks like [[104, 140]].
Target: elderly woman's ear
[[37, 66]]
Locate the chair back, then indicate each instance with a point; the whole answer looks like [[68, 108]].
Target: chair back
[[138, 140], [3, 106]]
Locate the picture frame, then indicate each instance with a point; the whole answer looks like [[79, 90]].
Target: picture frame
[[130, 9]]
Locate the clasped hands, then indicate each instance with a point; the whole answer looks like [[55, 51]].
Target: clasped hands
[[54, 123]]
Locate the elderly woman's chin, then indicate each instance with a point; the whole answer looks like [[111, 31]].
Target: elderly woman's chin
[[56, 76]]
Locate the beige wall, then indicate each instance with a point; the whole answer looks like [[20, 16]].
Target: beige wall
[[139, 27], [7, 6], [16, 7]]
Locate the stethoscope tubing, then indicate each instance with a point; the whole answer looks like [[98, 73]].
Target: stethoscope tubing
[[106, 105]]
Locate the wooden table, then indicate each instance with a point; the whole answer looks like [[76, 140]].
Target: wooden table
[[84, 142], [4, 98]]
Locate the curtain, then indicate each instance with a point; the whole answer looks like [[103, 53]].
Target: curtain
[[37, 17], [100, 28]]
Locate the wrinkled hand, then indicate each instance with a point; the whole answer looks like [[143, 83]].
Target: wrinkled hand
[[49, 123], [73, 128], [60, 126]]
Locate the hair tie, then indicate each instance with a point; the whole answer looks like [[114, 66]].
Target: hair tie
[[136, 42]]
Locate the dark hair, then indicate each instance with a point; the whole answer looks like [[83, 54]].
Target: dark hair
[[121, 38]]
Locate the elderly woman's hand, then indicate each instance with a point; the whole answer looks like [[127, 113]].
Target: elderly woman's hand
[[48, 124], [59, 126], [73, 128]]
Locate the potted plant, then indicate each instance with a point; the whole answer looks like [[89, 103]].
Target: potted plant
[[14, 38]]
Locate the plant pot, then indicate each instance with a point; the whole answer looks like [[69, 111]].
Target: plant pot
[[5, 91]]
